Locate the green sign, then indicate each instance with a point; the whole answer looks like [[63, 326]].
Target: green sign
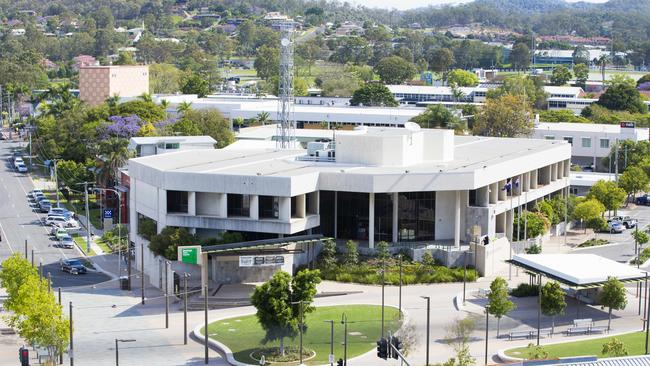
[[189, 254]]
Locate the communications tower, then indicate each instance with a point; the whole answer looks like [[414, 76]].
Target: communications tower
[[286, 134]]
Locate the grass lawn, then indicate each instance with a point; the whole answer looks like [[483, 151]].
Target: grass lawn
[[243, 335], [81, 243], [634, 342]]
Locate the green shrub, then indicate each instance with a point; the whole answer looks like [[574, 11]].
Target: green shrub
[[525, 290]]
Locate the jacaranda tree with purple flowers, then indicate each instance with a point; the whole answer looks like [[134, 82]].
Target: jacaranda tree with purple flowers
[[121, 126]]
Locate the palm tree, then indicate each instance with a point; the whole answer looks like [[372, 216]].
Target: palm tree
[[164, 103], [114, 154], [263, 118], [60, 99], [184, 107], [602, 62]]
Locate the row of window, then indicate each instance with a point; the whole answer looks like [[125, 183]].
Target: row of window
[[585, 141]]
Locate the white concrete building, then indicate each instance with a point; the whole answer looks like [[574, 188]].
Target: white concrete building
[[590, 143], [145, 146], [391, 184]]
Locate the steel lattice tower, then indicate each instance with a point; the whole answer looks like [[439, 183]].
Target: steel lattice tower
[[286, 134]]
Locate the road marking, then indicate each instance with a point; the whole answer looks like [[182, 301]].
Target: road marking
[[4, 235]]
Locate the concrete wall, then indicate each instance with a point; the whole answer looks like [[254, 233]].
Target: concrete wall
[[208, 203], [445, 211], [490, 259]]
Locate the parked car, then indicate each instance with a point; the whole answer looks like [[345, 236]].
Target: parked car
[[44, 205], [627, 221], [18, 161], [73, 266], [615, 227], [21, 168], [61, 220], [60, 211], [38, 196], [643, 200], [36, 192], [66, 242], [59, 232]]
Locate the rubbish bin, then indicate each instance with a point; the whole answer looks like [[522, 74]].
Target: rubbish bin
[[124, 283]]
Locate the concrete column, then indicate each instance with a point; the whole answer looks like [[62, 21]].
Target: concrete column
[[222, 202], [483, 196], [457, 221], [191, 203], [336, 210], [494, 192], [204, 272], [503, 194], [192, 230], [395, 217], [371, 220], [133, 212], [526, 182], [301, 208], [314, 203], [567, 168], [548, 173], [510, 219], [162, 209], [533, 179], [254, 212], [285, 209], [517, 188]]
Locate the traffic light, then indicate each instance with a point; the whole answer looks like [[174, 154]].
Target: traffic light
[[382, 348], [339, 362], [397, 344], [23, 356]]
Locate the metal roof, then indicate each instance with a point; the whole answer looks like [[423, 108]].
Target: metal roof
[[260, 244], [616, 361]]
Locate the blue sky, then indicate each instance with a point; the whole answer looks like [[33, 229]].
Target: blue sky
[[410, 4]]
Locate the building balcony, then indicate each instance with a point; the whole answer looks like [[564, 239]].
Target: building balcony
[[262, 225]]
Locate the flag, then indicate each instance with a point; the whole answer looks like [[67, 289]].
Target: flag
[[517, 182]]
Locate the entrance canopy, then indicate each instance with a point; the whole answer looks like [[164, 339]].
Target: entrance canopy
[[269, 246], [578, 270]]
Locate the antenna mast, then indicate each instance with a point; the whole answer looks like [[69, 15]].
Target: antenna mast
[[287, 124]]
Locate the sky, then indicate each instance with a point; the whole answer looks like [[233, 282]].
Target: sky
[[410, 4]]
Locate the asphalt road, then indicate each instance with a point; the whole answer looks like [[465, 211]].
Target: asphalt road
[[20, 223]]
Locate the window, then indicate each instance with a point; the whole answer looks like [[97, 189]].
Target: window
[[352, 215], [604, 143], [172, 145], [549, 137], [239, 205], [586, 142], [383, 217], [568, 139], [269, 207], [176, 201], [416, 216]]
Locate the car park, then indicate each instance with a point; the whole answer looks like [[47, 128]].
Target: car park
[[21, 168], [627, 221], [73, 266], [66, 242]]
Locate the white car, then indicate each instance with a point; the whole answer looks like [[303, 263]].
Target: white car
[[18, 161], [52, 220], [21, 168]]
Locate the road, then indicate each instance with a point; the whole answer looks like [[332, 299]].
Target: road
[[20, 224]]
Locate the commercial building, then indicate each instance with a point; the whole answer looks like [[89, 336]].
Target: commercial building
[[581, 182], [96, 83], [400, 185], [590, 143], [154, 145]]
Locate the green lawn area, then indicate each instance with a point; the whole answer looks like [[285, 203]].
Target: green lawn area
[[243, 334], [81, 243], [634, 342]]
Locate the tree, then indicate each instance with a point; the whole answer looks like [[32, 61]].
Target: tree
[[460, 77], [281, 301], [613, 296], [623, 97], [167, 241], [71, 173], [373, 94], [441, 59], [124, 58], [267, 62], [633, 179], [552, 301], [195, 84], [327, 256], [459, 334], [342, 84], [438, 116], [208, 122], [581, 71], [530, 224], [608, 193], [530, 88], [588, 210], [383, 252], [113, 155], [643, 79], [505, 116], [580, 55], [263, 117], [561, 75], [15, 272], [309, 51], [498, 303], [602, 62], [351, 255], [614, 348], [395, 70], [164, 79], [147, 111], [520, 56]]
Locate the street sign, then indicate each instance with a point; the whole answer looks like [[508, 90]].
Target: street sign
[[331, 359], [108, 213], [261, 260], [190, 254]]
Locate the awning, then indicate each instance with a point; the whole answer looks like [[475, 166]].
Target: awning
[[578, 270], [267, 246]]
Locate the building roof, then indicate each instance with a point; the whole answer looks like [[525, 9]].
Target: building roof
[[269, 132], [152, 140], [583, 127], [579, 270], [588, 179], [573, 90], [436, 90], [616, 361]]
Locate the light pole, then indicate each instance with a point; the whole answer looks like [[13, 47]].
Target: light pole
[[383, 285], [400, 285], [185, 276], [428, 324], [331, 356], [487, 319], [344, 321], [301, 326], [117, 349]]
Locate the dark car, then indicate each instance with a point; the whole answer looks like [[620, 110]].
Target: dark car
[[73, 266]]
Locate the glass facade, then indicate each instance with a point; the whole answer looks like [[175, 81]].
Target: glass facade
[[326, 214], [239, 205], [352, 215], [383, 217], [416, 216], [269, 207]]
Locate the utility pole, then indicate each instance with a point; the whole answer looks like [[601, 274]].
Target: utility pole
[[25, 249], [344, 321], [616, 161], [383, 284], [185, 276], [71, 353], [487, 328], [142, 271], [400, 286], [56, 187], [205, 333], [428, 324], [331, 355], [167, 295]]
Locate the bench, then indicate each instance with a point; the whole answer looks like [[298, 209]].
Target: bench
[[545, 332], [587, 322], [520, 334], [598, 329], [577, 330]]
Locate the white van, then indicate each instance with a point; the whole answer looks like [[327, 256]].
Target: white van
[[61, 221]]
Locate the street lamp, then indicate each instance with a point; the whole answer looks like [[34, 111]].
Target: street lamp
[[487, 328], [344, 321], [117, 349], [428, 324]]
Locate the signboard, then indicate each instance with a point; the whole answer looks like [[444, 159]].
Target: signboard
[[190, 254], [260, 260], [108, 213], [628, 124]]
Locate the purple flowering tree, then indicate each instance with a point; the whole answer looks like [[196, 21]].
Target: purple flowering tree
[[119, 126], [644, 86]]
